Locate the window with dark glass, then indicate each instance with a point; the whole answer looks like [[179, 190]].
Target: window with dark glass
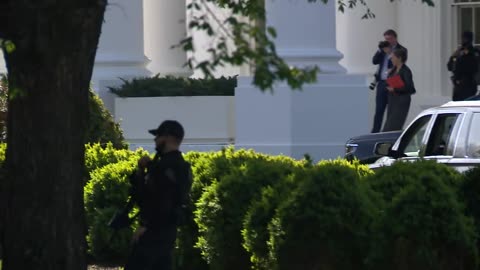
[[468, 19], [441, 142]]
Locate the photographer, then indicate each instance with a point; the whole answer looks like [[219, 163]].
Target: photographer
[[464, 65], [161, 188], [382, 59]]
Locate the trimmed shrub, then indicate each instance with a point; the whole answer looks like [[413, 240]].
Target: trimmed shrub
[[470, 194], [101, 127], [423, 227], [224, 203], [3, 106], [106, 192], [169, 86], [3, 151], [206, 167], [97, 155], [389, 181], [255, 226], [325, 222], [261, 211]]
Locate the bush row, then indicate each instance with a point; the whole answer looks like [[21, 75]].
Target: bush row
[[169, 86], [251, 210]]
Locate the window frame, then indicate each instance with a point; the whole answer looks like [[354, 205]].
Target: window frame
[[467, 139], [401, 146], [453, 136], [456, 6]]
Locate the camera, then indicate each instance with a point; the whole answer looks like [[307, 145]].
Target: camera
[[372, 85], [383, 44]]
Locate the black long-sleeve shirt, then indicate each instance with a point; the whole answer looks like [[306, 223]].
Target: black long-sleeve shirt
[[161, 192], [464, 64]]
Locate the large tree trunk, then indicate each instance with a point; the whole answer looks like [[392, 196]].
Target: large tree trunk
[[49, 73]]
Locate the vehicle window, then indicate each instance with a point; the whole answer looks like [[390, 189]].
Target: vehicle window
[[473, 147], [440, 143], [411, 142]]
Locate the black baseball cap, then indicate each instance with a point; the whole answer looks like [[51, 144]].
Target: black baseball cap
[[169, 128]]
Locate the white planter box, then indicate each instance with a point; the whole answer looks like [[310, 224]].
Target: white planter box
[[206, 119]]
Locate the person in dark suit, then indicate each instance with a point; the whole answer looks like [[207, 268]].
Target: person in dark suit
[[399, 98], [160, 189], [382, 59], [464, 65]]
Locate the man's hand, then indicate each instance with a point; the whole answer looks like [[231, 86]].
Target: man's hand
[[143, 162], [387, 50], [390, 89], [138, 233]]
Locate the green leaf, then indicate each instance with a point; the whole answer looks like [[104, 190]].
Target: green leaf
[[9, 46]]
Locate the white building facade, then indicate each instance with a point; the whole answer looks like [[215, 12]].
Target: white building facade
[[430, 35], [137, 37]]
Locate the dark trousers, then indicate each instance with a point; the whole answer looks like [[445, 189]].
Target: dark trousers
[[153, 251], [398, 107], [381, 102], [464, 90]]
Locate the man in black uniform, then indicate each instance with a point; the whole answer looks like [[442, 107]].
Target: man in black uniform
[[464, 66], [160, 189]]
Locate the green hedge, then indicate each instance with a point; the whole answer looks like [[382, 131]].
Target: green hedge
[[250, 209], [423, 223], [101, 127], [105, 193], [389, 181], [470, 194], [175, 86], [261, 212], [325, 222], [98, 155], [224, 203]]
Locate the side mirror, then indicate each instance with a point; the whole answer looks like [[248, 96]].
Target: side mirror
[[383, 149]]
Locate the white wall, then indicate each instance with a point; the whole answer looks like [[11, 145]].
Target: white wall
[[120, 51], [317, 120], [421, 31]]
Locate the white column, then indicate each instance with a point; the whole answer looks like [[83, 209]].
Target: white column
[[358, 38], [121, 52], [319, 119], [203, 42], [420, 29], [164, 24], [306, 33]]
